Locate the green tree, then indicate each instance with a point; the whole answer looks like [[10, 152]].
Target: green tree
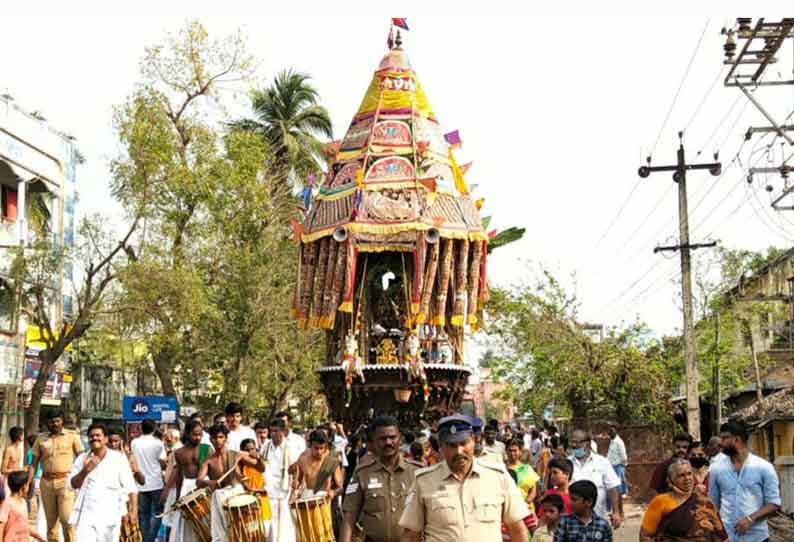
[[171, 166], [544, 356], [287, 115], [210, 280], [98, 259], [715, 279]]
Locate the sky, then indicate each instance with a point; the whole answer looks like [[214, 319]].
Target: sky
[[556, 112]]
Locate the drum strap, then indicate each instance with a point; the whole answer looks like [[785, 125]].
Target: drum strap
[[203, 453], [327, 469]]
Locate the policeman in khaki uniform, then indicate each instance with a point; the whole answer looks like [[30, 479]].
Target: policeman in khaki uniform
[[57, 452], [462, 499], [376, 492]]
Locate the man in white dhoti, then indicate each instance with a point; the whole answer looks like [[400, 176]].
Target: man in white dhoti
[[106, 490], [183, 477], [220, 473], [278, 456]]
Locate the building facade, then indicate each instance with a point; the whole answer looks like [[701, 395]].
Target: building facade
[[482, 391], [37, 197]]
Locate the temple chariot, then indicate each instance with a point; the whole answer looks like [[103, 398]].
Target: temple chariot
[[393, 258]]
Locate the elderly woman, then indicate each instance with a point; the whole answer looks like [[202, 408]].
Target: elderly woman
[[682, 514]]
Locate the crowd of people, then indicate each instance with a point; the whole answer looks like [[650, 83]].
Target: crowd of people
[[459, 480], [712, 492]]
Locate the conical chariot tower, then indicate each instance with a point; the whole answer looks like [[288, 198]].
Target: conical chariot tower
[[393, 258]]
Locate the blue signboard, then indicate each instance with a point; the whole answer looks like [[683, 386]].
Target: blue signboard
[[151, 407]]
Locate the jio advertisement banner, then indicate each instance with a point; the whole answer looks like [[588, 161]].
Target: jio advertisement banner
[[161, 409]]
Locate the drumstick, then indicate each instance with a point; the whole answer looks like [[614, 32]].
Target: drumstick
[[175, 506]]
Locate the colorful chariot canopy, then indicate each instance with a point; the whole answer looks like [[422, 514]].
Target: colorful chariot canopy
[[394, 172]]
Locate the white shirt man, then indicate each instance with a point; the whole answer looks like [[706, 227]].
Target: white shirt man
[[236, 436], [102, 497], [297, 443], [597, 469], [617, 452], [149, 451], [278, 455]]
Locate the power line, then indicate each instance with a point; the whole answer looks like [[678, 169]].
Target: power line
[[742, 203], [705, 97], [620, 211], [648, 216], [654, 264], [680, 85], [707, 189], [773, 226], [727, 195], [719, 125]]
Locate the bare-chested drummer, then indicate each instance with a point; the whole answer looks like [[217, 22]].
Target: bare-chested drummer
[[318, 470], [187, 459], [220, 473]]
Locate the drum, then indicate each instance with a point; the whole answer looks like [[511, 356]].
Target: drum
[[130, 532], [244, 518], [312, 518], [195, 508]]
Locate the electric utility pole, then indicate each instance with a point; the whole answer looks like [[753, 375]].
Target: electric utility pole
[[716, 384], [685, 248]]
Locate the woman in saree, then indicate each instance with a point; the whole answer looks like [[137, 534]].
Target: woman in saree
[[700, 467], [682, 514], [526, 478]]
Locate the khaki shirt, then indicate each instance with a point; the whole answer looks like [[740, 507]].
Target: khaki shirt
[[57, 452], [377, 497], [445, 509]]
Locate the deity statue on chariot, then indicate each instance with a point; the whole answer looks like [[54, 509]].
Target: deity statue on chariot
[[393, 257]]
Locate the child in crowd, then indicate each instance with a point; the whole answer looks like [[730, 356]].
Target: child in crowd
[[583, 524], [14, 511], [560, 470], [254, 479], [553, 508]]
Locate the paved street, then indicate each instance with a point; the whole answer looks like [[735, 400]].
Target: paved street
[[630, 531]]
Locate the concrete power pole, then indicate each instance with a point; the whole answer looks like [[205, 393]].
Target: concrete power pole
[[717, 377], [685, 248]]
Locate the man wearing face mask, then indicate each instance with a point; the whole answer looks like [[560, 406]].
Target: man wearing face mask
[[745, 488], [681, 445], [588, 465], [462, 498]]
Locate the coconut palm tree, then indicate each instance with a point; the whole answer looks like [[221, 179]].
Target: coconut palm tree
[[288, 116]]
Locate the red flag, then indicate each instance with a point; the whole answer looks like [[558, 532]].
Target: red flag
[[400, 22]]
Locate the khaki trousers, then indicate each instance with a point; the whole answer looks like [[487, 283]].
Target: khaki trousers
[[58, 500]]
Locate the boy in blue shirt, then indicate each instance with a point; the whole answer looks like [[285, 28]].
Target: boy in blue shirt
[[583, 524]]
